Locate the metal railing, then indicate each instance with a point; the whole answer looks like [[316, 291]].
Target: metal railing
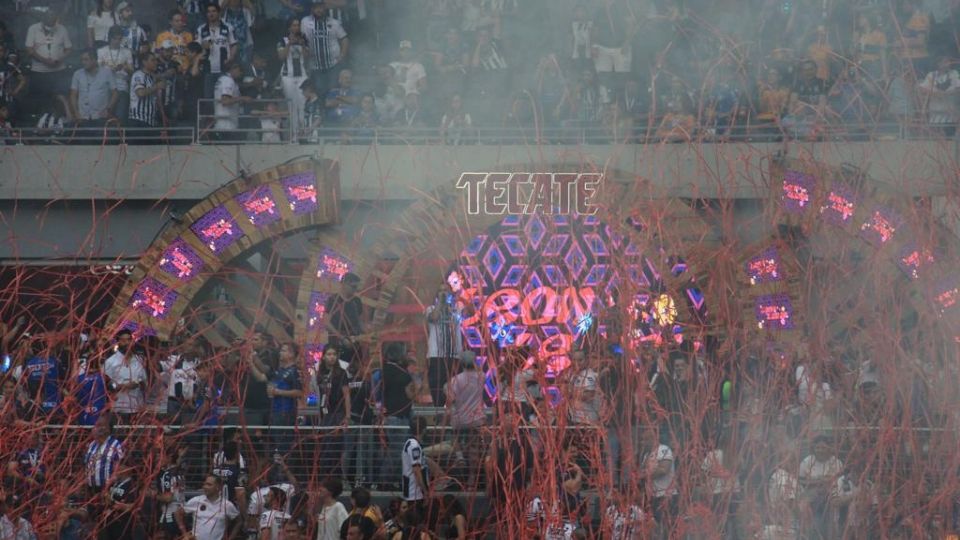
[[249, 121], [110, 133]]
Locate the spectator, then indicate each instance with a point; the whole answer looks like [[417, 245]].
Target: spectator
[[344, 319], [625, 521], [415, 484], [357, 528], [228, 104], [818, 475], [409, 121], [364, 380], [240, 20], [343, 100], [821, 53], [26, 472], [194, 79], [275, 514], [363, 513], [119, 60], [292, 529], [408, 72], [850, 100], [456, 127], [313, 109], [99, 23], [294, 54], [579, 40], [941, 88], [220, 43], [657, 462], [444, 340], [183, 380], [256, 81], [212, 513], [902, 95], [93, 93], [773, 97], [871, 48], [271, 124], [48, 45], [331, 515], [293, 9], [633, 101], [43, 377], [722, 103], [398, 392], [12, 80], [285, 389], [465, 404], [90, 391], [13, 524], [334, 385], [261, 361], [133, 34], [145, 92], [328, 42], [121, 515], [170, 489], [363, 127], [231, 471], [103, 454], [808, 101], [489, 72], [582, 103], [178, 36], [450, 64], [614, 25], [124, 369], [389, 94], [914, 30]]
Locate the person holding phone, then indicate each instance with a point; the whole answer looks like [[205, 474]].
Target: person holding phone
[[444, 341]]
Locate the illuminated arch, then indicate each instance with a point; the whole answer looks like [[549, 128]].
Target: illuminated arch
[[231, 220]]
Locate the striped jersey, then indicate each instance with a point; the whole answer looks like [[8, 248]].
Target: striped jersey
[[143, 109], [221, 38], [102, 459], [413, 456], [323, 36], [294, 65]]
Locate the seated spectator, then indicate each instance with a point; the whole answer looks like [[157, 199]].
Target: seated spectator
[[119, 60], [941, 87], [456, 126], [808, 102], [409, 120], [99, 23], [773, 97], [389, 93], [822, 54], [179, 36], [48, 45], [364, 125], [581, 104], [271, 123], [93, 93], [408, 72], [851, 101], [722, 101], [342, 100]]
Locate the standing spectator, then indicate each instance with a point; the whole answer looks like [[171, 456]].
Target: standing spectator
[[42, 374], [294, 54], [657, 466], [363, 410], [415, 482], [363, 512], [343, 100], [773, 98], [398, 392], [444, 339], [312, 115], [48, 45], [275, 514], [178, 36], [456, 128], [328, 42], [99, 23], [90, 392], [119, 60], [331, 514], [133, 34], [232, 473], [145, 92], [212, 513], [261, 362], [26, 471], [125, 371], [240, 20], [871, 47], [465, 406], [334, 385], [93, 93], [183, 381], [914, 31], [614, 25], [408, 72], [941, 88], [170, 489], [120, 518], [808, 102], [13, 525], [228, 104], [12, 80], [450, 64], [579, 41], [286, 389], [344, 319], [818, 475], [821, 53], [488, 66], [103, 454], [388, 93], [218, 39]]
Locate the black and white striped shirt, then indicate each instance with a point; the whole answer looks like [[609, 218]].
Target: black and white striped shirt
[[10, 77], [143, 109], [101, 460], [295, 64], [323, 36], [221, 38]]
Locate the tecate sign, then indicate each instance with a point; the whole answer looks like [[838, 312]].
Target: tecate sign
[[530, 193]]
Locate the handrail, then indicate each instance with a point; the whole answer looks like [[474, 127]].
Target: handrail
[[206, 123], [108, 134]]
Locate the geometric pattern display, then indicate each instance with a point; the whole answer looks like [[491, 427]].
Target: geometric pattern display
[[231, 220], [539, 281]]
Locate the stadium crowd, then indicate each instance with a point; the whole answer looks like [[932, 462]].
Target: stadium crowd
[[446, 70], [697, 439]]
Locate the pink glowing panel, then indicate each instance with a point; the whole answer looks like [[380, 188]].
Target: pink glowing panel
[[764, 268], [797, 191], [259, 206], [181, 261], [880, 227], [774, 311], [153, 298]]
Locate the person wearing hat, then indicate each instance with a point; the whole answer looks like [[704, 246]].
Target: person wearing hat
[[178, 36], [327, 41], [133, 34], [409, 72]]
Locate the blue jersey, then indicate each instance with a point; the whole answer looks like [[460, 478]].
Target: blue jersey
[[91, 394], [286, 378], [43, 380]]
